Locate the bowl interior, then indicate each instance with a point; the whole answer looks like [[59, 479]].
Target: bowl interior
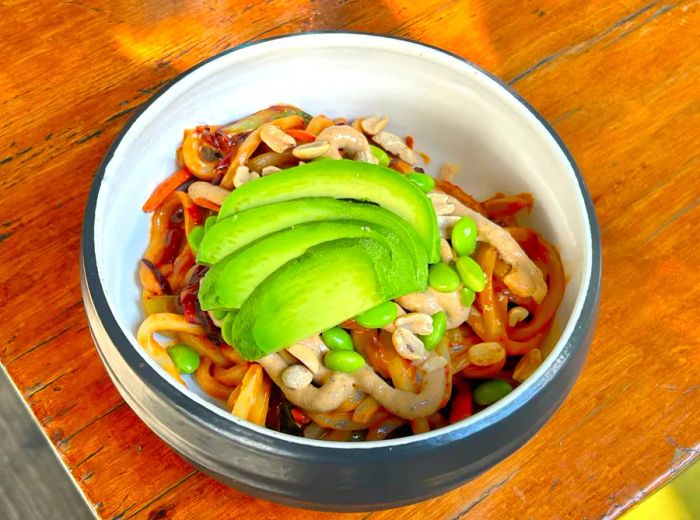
[[456, 114]]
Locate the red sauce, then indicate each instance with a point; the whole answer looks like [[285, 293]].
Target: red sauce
[[174, 238], [195, 214], [188, 295]]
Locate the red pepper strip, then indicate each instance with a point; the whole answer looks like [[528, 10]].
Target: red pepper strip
[[299, 416], [165, 188], [462, 406], [301, 136]]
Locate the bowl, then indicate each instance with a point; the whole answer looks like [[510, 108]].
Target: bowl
[[457, 113]]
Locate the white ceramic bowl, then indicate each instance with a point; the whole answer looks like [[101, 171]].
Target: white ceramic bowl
[[457, 114]]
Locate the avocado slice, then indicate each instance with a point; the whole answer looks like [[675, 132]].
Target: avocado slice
[[231, 234], [344, 179], [325, 286], [229, 282]]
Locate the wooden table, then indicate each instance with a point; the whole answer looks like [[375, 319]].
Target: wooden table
[[619, 81]]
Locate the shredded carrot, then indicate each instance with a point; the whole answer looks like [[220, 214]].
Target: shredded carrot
[[165, 188], [400, 166], [500, 205], [301, 136], [206, 204], [462, 196]]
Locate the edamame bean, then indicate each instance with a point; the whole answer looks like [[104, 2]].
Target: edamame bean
[[186, 360], [443, 278], [423, 181], [377, 317], [467, 296], [471, 273], [336, 338], [491, 391], [464, 235], [209, 223], [343, 361], [194, 237], [381, 155], [430, 341]]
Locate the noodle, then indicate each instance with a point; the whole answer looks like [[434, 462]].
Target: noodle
[[159, 323], [390, 393], [208, 383], [366, 409]]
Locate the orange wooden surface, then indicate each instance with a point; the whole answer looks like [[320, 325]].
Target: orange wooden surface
[[618, 80]]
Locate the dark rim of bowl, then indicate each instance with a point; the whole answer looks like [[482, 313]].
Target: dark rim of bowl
[[94, 292]]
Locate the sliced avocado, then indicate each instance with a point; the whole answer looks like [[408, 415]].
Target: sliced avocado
[[231, 234], [327, 285], [344, 179], [229, 282], [226, 326]]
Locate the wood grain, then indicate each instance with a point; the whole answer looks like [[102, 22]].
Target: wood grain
[[617, 80]]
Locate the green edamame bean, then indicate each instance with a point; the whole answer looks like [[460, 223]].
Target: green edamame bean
[[186, 360], [381, 155], [471, 273], [430, 341], [423, 181], [464, 235], [467, 296], [343, 361], [377, 317], [491, 391], [209, 223], [443, 278], [194, 237], [336, 338]]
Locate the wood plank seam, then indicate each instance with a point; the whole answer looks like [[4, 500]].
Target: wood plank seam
[[590, 42]]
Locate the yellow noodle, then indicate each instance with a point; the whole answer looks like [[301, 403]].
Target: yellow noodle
[[208, 383], [204, 347], [160, 323], [230, 376]]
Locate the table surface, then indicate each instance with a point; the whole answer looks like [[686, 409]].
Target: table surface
[[619, 82]]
